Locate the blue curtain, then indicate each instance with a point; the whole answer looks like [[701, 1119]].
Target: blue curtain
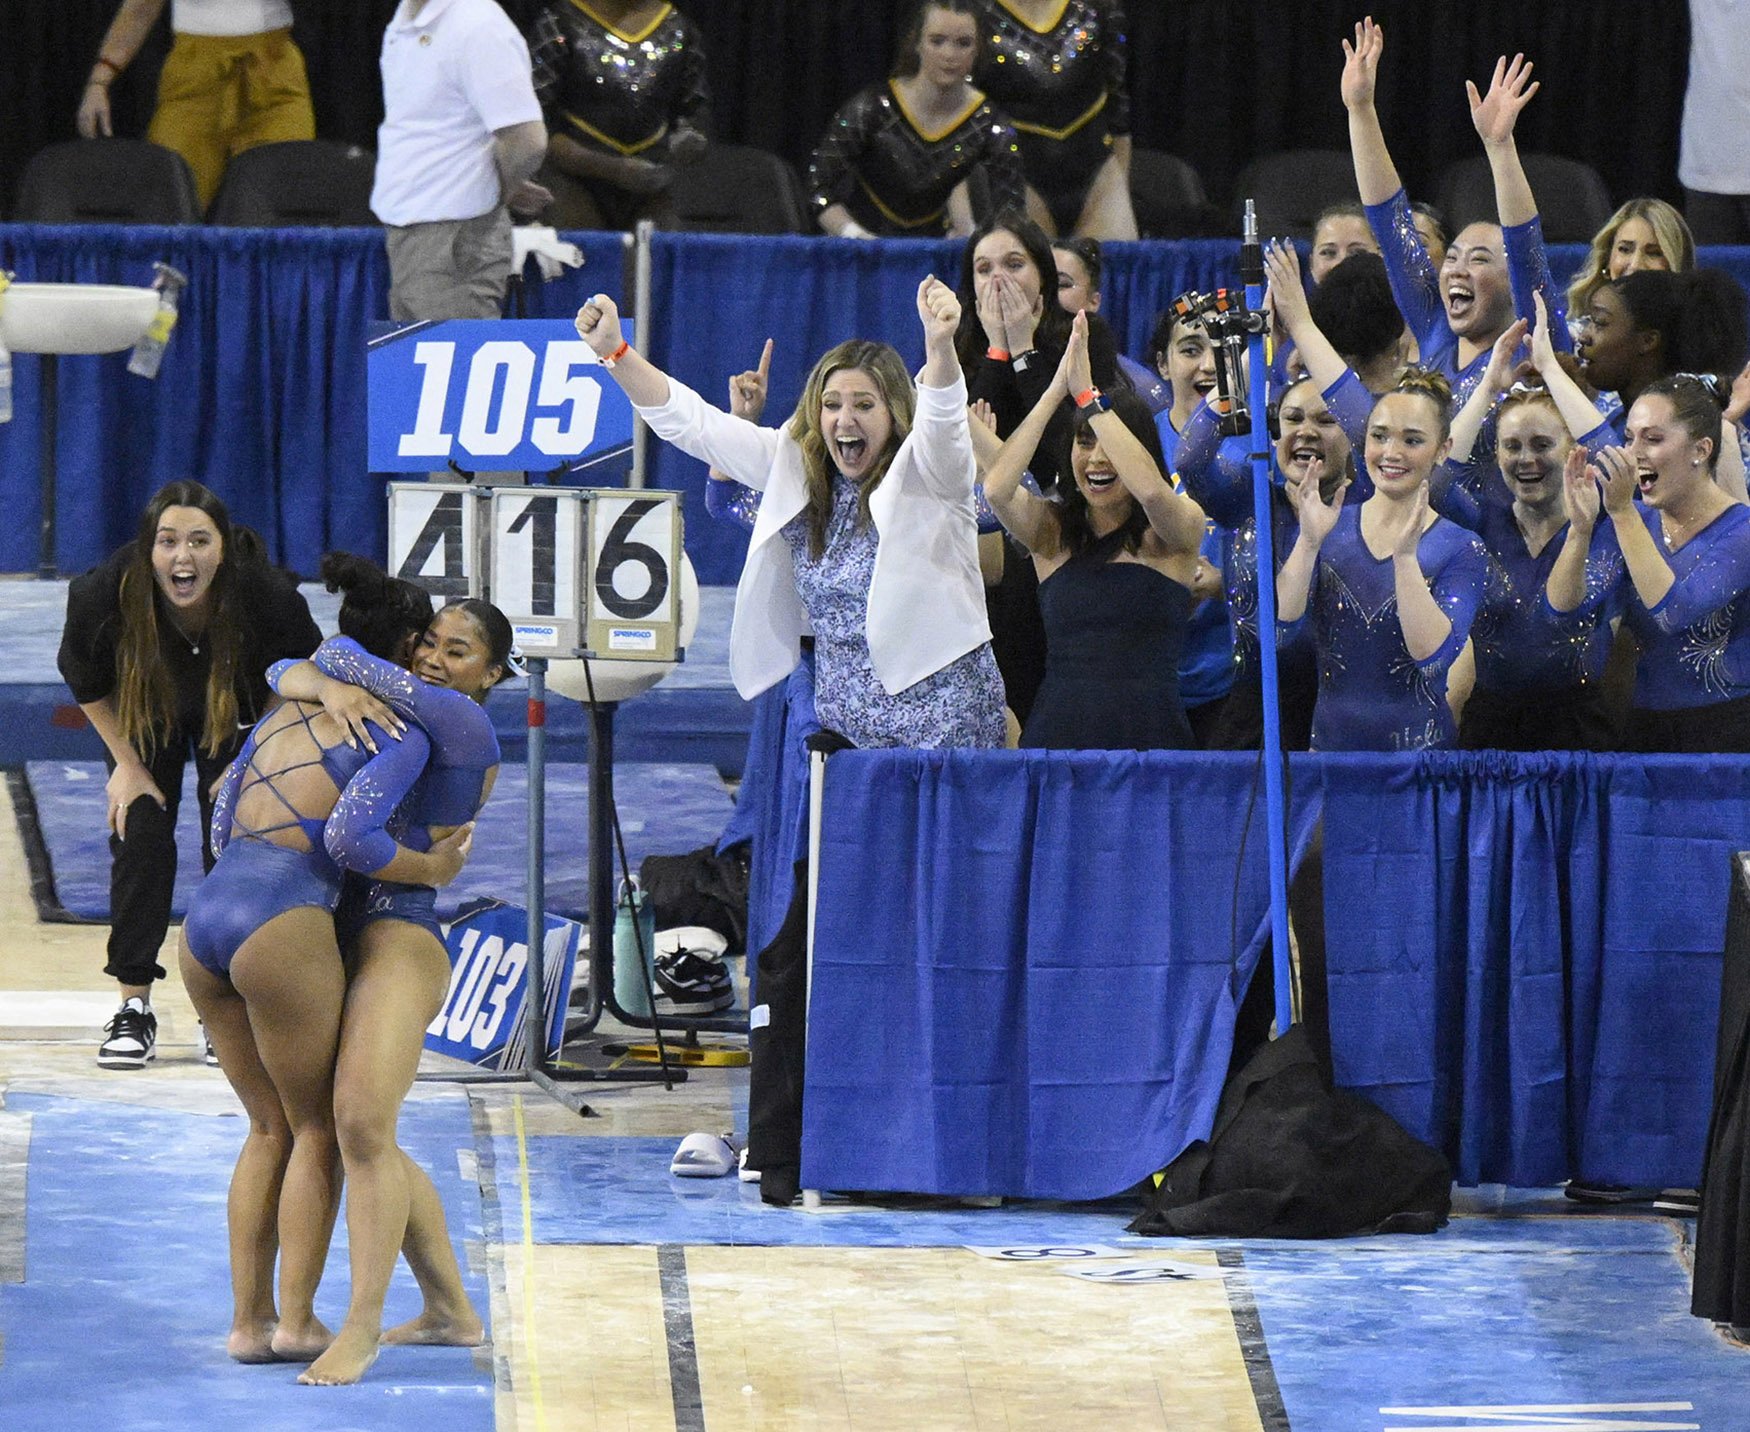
[[1024, 974], [262, 391], [1525, 954]]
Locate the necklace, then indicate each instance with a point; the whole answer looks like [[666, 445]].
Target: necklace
[[194, 643]]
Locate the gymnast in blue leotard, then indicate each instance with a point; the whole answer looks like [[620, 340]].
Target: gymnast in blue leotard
[[398, 972], [1539, 674], [1680, 557], [1391, 589], [312, 790], [1456, 312]]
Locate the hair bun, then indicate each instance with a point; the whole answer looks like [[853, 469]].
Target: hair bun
[[354, 575]]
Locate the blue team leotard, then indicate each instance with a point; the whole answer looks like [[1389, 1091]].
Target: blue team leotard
[[1695, 645], [263, 871], [1373, 695], [463, 749]]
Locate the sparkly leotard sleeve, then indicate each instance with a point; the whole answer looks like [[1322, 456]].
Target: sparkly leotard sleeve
[[730, 501], [1695, 645], [356, 835], [895, 178], [1528, 273], [1415, 283]]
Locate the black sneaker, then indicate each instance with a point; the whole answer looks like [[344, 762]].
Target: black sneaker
[[1685, 1202], [131, 1038], [688, 982]]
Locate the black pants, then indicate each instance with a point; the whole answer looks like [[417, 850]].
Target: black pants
[[143, 867]]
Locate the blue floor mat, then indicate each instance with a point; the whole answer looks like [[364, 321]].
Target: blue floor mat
[[665, 809], [147, 1313]]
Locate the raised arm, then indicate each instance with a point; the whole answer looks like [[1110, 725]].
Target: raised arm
[[1375, 174], [1029, 518], [674, 411], [1495, 115], [1324, 365]]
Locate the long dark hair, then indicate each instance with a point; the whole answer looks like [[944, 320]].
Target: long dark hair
[[379, 612], [1695, 400], [906, 62], [146, 704], [1052, 335], [1072, 513]]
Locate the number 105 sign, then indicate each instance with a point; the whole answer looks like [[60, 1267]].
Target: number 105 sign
[[593, 570], [520, 395]]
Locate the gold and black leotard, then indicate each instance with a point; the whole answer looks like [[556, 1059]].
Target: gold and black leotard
[[621, 91], [1064, 89], [894, 177]]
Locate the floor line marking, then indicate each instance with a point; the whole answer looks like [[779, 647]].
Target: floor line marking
[[529, 1351], [683, 1352], [1249, 1327]]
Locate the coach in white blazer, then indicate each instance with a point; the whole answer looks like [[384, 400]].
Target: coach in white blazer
[[866, 491]]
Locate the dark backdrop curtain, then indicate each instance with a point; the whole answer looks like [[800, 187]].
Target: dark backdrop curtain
[[1214, 82]]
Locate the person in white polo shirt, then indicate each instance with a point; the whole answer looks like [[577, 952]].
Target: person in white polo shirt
[[233, 79], [461, 139]]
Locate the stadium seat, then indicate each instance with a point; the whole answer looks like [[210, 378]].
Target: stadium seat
[[300, 182], [1169, 198], [739, 190], [1571, 197], [106, 181], [1292, 187]]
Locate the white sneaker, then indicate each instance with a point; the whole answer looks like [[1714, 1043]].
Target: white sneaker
[[209, 1055], [131, 1037]]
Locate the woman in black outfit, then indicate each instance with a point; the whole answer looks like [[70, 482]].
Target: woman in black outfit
[[166, 650]]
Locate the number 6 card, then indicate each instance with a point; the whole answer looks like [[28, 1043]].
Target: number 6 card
[[633, 600]]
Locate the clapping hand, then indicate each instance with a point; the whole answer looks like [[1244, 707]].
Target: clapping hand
[[1503, 357], [1317, 516], [1616, 471], [1077, 372], [1580, 490], [1286, 294], [1402, 523]]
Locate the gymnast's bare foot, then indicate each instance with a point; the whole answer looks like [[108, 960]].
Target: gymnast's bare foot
[[300, 1342], [252, 1341], [346, 1360], [437, 1327]]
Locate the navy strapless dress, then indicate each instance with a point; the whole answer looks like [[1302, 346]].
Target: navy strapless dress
[[1114, 633]]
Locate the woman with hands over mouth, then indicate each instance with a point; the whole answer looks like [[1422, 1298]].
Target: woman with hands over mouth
[[1116, 556], [1678, 559], [865, 538]]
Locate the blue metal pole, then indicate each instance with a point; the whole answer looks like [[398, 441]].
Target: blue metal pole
[[1252, 274]]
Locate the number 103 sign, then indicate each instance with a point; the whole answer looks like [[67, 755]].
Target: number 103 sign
[[575, 569]]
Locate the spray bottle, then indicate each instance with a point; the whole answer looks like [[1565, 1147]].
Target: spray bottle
[[149, 351]]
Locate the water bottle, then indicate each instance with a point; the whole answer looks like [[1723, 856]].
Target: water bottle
[[634, 926], [149, 351]]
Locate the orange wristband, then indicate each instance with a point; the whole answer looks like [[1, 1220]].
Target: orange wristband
[[617, 354], [997, 355], [1086, 396]]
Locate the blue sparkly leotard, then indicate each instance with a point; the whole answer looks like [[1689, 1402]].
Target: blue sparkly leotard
[[1695, 645], [1373, 695], [296, 857], [464, 750]]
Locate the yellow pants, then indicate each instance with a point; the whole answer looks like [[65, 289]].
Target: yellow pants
[[221, 94]]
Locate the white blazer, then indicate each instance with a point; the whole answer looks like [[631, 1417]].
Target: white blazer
[[926, 597]]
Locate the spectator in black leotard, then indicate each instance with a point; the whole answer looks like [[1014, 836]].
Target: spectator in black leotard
[[901, 157]]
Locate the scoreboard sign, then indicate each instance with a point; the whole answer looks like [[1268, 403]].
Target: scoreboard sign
[[593, 571], [522, 395]]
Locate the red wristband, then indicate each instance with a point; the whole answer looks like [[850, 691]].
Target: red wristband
[[997, 355], [1086, 396], [617, 354], [114, 68]]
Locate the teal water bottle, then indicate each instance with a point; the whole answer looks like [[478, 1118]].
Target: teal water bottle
[[634, 925]]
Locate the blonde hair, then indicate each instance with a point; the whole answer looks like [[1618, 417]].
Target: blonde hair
[[886, 369], [1668, 227]]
